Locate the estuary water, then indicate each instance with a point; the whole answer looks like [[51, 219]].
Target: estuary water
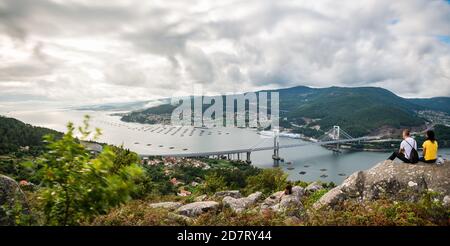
[[307, 163]]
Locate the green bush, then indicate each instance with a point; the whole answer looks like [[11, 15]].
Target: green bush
[[75, 186], [213, 182], [267, 181]]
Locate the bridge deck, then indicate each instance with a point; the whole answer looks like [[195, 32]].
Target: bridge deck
[[234, 151]]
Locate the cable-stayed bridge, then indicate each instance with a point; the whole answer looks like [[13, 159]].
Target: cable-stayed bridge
[[334, 137]]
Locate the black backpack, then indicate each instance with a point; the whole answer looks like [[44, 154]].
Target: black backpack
[[413, 155]]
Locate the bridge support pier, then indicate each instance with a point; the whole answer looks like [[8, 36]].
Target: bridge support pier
[[248, 158]]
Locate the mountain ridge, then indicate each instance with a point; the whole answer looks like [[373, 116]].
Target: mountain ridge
[[362, 110]]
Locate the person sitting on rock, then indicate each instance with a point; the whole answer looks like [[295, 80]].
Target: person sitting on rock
[[406, 146], [430, 148]]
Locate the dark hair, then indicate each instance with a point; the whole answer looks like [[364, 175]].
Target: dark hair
[[407, 132], [288, 189], [431, 136]]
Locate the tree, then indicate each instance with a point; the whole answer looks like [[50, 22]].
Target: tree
[[214, 182], [77, 186], [267, 181]]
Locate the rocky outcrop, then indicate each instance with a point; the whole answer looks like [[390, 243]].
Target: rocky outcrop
[[166, 205], [197, 208], [200, 198], [240, 204], [12, 200], [391, 180], [230, 193], [446, 201], [313, 187], [281, 202]]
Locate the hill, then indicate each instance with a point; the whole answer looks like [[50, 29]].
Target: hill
[[359, 110], [15, 134], [436, 103]]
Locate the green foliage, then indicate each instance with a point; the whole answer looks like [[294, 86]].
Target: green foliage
[[384, 212], [137, 213], [214, 182], [248, 218], [15, 134], [154, 182], [75, 186], [267, 181], [314, 197]]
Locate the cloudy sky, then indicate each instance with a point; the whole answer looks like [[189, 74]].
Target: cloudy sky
[[83, 51]]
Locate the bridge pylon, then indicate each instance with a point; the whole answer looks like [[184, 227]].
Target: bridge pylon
[[276, 148], [337, 136]]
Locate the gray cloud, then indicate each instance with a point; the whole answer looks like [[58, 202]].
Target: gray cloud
[[79, 50]]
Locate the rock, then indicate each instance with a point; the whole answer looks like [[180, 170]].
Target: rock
[[231, 193], [391, 180], [11, 199], [332, 198], [272, 200], [179, 217], [166, 205], [240, 204], [200, 198], [197, 208], [446, 201], [298, 191], [280, 202], [313, 187], [290, 205]]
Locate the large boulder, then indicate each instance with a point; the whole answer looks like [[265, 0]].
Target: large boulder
[[197, 208], [446, 201], [280, 202], [166, 205], [391, 180], [231, 193], [313, 187], [12, 200], [240, 204]]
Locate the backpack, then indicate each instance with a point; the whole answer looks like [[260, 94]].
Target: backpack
[[413, 155]]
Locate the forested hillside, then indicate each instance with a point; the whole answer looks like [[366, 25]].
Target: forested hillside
[[15, 134], [358, 110]]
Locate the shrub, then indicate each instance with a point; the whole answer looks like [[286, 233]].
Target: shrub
[[267, 181], [75, 186], [136, 213], [384, 212], [213, 182]]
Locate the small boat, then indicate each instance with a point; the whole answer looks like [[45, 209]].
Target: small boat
[[323, 176], [302, 172], [289, 162], [306, 166], [149, 144], [136, 142], [342, 174], [323, 170], [171, 147], [290, 168]]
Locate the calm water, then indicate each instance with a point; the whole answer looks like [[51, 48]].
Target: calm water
[[315, 162]]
